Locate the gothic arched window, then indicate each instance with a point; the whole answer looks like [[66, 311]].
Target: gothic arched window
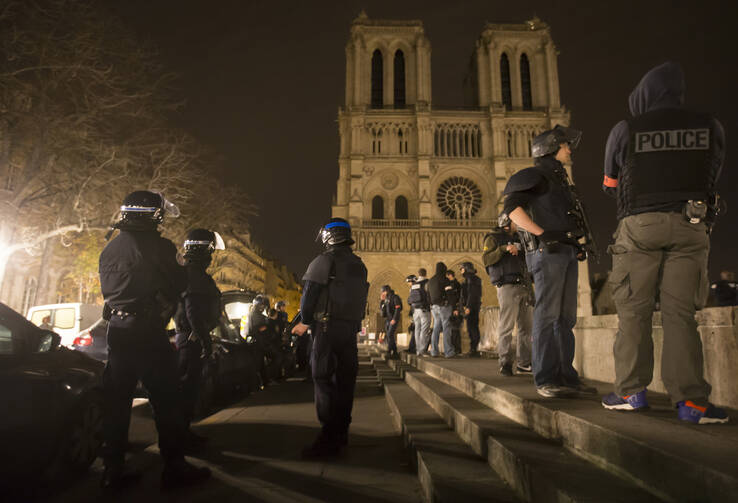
[[505, 81], [377, 208], [399, 79], [525, 82], [401, 212], [377, 80]]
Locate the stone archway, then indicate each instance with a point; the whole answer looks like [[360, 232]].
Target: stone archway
[[396, 280]]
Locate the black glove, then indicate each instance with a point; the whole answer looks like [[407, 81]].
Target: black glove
[[207, 348], [581, 253]]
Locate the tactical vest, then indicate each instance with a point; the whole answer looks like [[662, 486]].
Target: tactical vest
[[550, 210], [668, 162], [509, 269], [345, 297], [418, 297]]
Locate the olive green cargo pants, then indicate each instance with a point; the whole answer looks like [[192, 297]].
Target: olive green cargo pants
[[660, 255]]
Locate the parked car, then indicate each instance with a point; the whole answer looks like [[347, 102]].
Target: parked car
[[67, 320], [93, 341], [51, 402], [237, 306]]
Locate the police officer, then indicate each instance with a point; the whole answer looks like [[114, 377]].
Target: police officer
[[539, 201], [258, 329], [282, 316], [333, 303], [662, 165], [505, 263], [198, 313], [419, 301], [391, 310], [471, 302], [453, 297], [141, 282]]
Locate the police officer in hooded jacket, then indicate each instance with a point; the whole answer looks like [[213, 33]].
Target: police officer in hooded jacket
[[198, 313], [662, 166], [539, 201], [141, 283], [391, 310], [333, 304], [471, 301]]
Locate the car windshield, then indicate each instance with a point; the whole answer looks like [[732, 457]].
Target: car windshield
[[64, 318], [237, 310]]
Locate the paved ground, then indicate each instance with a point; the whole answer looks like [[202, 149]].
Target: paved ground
[[254, 454]]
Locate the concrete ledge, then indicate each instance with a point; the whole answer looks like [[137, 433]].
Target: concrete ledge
[[447, 469], [673, 460]]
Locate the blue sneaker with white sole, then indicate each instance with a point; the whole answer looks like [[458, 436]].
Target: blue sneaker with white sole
[[636, 401], [690, 411]]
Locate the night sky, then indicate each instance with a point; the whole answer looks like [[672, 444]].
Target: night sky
[[263, 81]]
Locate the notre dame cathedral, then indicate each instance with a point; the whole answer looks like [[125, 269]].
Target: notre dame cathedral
[[419, 184]]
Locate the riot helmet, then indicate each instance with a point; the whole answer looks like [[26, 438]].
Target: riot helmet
[[411, 278], [280, 304], [336, 232], [201, 243], [145, 208], [503, 220], [386, 288], [550, 141]]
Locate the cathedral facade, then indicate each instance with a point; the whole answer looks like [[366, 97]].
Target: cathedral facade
[[422, 185]]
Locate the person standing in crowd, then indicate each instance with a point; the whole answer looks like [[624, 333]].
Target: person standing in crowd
[[453, 297], [539, 201], [662, 241], [441, 312], [725, 291], [392, 310], [411, 346], [334, 303], [141, 283], [504, 260], [198, 312], [282, 316], [257, 329], [471, 302], [419, 301]]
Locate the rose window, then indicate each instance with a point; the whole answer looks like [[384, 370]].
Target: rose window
[[459, 198]]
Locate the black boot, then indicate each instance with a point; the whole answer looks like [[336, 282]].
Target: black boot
[[181, 474], [117, 477], [323, 447]]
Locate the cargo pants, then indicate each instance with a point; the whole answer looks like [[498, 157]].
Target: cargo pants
[[514, 309], [660, 255]]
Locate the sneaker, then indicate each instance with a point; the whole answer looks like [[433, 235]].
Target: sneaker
[[506, 370], [552, 391], [689, 411], [636, 401], [524, 369]]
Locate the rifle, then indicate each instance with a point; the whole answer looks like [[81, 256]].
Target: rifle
[[580, 214]]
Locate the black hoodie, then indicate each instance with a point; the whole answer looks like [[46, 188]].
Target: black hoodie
[[662, 87], [437, 286]]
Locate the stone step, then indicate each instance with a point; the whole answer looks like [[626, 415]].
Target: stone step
[[673, 460], [448, 470], [538, 469], [385, 373]]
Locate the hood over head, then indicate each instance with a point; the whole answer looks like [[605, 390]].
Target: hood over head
[[441, 269], [662, 87]]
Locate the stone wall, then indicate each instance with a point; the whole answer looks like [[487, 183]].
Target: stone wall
[[595, 336]]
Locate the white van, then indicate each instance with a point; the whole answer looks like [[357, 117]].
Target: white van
[[67, 320]]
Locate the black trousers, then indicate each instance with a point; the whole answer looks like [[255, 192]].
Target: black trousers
[[140, 350], [335, 363], [190, 374], [472, 327]]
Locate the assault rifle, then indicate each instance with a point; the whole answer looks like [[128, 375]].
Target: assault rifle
[[580, 214]]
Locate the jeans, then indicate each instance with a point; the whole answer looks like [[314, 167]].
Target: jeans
[[555, 276], [422, 320], [442, 322]]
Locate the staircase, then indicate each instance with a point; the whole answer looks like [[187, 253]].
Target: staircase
[[476, 434]]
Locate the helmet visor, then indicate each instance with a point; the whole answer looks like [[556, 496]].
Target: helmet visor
[[219, 243], [569, 135]]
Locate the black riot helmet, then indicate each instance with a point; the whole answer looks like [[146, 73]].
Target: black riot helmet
[[202, 243], [336, 232], [411, 279], [503, 220], [145, 208], [550, 141]]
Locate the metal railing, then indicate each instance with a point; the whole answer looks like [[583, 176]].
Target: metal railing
[[381, 223], [474, 223]]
